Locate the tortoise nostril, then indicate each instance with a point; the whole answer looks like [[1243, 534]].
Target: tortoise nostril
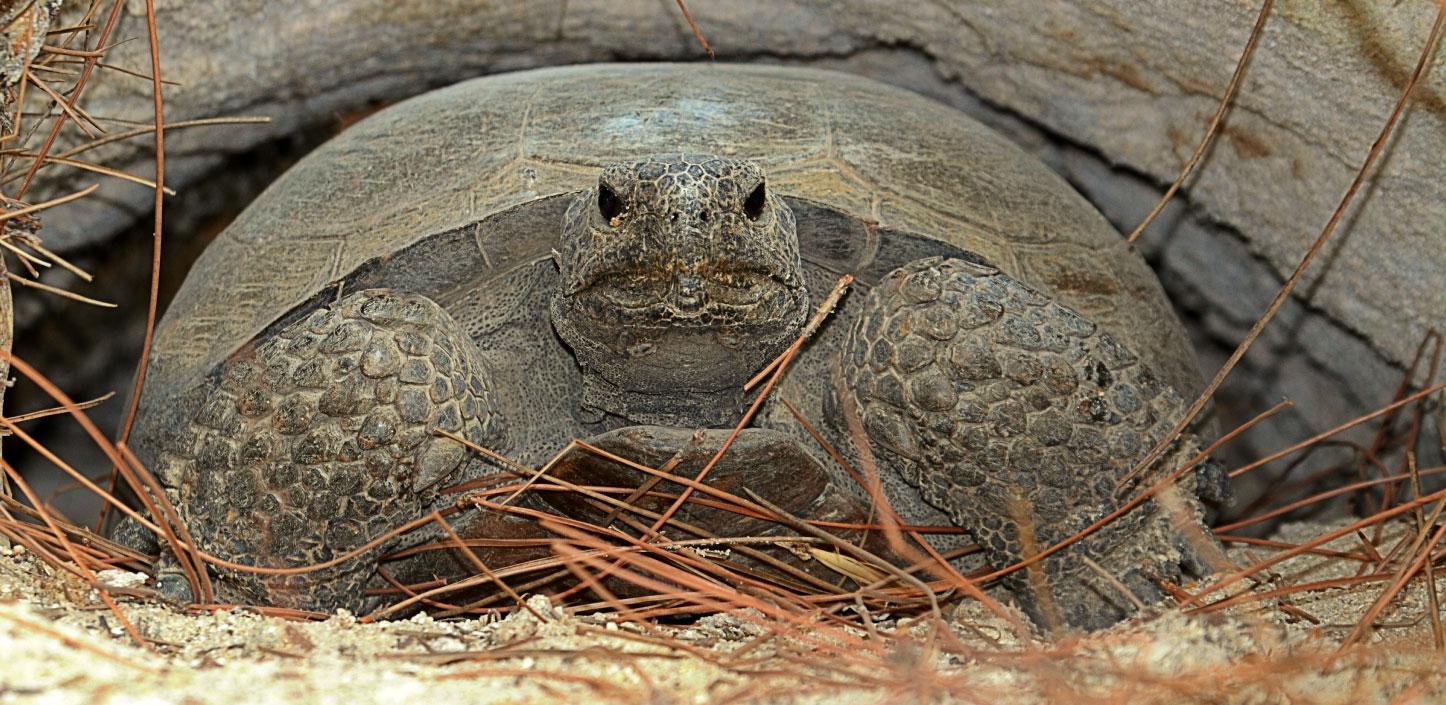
[[703, 216]]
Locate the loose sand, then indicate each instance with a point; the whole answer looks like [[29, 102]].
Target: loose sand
[[61, 645]]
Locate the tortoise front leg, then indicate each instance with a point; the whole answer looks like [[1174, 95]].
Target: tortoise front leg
[[318, 437], [1018, 419]]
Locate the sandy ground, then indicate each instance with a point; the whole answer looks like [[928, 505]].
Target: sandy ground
[[61, 645]]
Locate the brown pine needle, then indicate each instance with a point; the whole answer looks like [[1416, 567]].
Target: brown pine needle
[[476, 561], [57, 291], [1320, 497], [1325, 538], [34, 244], [1237, 472], [1433, 601], [1139, 499], [136, 74], [777, 367], [693, 25], [1210, 131], [55, 410], [69, 547], [117, 173], [70, 109], [1407, 572], [27, 210], [157, 230], [84, 53], [1143, 466], [83, 645], [75, 94], [30, 261], [139, 131]]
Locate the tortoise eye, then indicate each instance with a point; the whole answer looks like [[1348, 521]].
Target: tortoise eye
[[753, 205], [608, 203]]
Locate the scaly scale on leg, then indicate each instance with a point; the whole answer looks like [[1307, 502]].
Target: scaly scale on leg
[[1017, 418], [317, 439]]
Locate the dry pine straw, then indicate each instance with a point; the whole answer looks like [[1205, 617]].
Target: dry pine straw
[[63, 646]]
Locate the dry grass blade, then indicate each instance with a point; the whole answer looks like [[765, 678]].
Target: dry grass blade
[[892, 524], [718, 597], [853, 551]]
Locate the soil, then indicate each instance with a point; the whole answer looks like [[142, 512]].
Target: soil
[[62, 645]]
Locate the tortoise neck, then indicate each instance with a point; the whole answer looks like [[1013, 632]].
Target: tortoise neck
[[688, 408]]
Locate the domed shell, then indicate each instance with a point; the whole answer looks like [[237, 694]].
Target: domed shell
[[450, 159]]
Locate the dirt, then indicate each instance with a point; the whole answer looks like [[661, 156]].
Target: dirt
[[62, 645]]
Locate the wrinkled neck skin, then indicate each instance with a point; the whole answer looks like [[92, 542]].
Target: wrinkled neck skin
[[680, 279], [687, 408]]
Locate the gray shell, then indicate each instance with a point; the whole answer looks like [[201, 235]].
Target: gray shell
[[479, 167]]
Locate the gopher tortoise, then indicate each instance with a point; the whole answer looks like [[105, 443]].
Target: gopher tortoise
[[554, 254]]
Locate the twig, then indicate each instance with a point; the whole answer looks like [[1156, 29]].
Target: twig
[[778, 367]]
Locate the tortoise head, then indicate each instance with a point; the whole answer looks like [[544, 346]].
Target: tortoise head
[[680, 278]]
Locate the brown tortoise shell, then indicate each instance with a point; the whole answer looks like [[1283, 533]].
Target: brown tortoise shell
[[459, 195], [891, 159]]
